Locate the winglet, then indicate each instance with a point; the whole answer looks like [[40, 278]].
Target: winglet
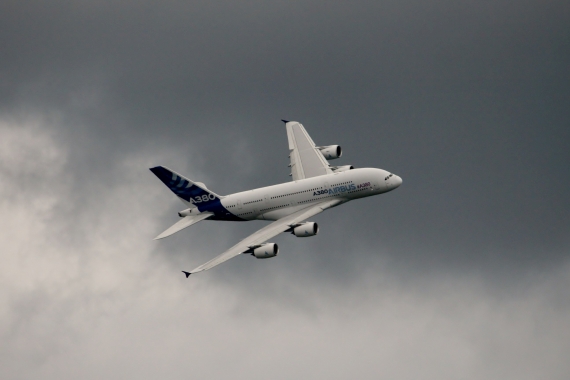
[[187, 274], [285, 121]]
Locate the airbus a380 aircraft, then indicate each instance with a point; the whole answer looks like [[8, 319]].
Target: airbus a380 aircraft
[[316, 186]]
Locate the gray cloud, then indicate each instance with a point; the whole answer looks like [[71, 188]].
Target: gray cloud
[[462, 270]]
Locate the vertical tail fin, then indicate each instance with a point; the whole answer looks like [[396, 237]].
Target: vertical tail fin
[[191, 193]]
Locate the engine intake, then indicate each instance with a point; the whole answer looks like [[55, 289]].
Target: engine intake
[[331, 151], [306, 229], [266, 251]]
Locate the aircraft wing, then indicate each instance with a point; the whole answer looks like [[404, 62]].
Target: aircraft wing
[[266, 233], [306, 160]]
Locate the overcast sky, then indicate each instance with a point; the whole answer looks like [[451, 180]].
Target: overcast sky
[[462, 272]]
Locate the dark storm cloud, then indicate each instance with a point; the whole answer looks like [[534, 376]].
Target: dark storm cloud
[[468, 102]]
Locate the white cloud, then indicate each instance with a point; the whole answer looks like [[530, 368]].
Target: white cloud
[[94, 297]]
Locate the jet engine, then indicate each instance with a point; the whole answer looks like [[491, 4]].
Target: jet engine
[[331, 151], [266, 251], [306, 229], [338, 169]]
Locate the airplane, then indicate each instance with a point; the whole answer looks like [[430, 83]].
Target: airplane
[[315, 187]]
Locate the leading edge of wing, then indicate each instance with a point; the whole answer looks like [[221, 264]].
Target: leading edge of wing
[[265, 233]]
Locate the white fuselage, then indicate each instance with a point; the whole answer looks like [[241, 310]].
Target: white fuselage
[[277, 201]]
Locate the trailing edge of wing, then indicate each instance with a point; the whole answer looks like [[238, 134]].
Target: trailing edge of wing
[[187, 221], [265, 233]]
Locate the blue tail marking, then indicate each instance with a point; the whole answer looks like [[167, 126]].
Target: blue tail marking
[[195, 195], [182, 187]]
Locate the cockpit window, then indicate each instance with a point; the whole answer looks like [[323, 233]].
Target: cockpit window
[[386, 178]]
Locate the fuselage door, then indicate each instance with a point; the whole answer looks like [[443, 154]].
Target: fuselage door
[[239, 204], [387, 181], [267, 201]]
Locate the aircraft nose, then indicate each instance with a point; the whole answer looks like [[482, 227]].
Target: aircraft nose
[[392, 181], [397, 181]]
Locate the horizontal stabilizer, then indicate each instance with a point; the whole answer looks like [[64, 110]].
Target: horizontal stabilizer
[[182, 224]]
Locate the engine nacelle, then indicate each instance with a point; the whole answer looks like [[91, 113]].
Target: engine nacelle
[[331, 151], [266, 251], [306, 229], [338, 169]]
